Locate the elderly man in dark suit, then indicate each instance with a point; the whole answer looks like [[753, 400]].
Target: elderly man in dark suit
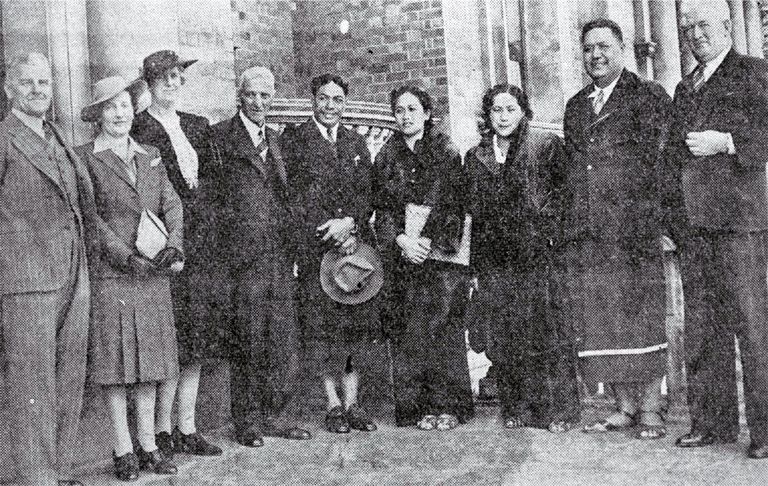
[[330, 188], [717, 210], [254, 235], [46, 218], [614, 129]]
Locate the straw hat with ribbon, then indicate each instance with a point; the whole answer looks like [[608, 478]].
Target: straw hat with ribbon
[[106, 89]]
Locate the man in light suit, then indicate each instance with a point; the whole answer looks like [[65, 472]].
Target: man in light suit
[[46, 211], [253, 229], [718, 215]]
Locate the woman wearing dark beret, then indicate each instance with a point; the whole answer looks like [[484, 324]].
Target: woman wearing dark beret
[[418, 171], [516, 192], [199, 296]]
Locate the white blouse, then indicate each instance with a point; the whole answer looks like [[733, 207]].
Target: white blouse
[[186, 156]]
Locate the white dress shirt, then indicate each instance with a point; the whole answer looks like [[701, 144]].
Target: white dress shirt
[[256, 133], [331, 132], [607, 91], [34, 123]]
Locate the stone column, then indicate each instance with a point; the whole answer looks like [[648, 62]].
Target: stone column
[[121, 34], [753, 24], [623, 13], [664, 31], [739, 33], [68, 37]]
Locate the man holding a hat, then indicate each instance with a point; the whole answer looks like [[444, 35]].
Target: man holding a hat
[[253, 230], [329, 185], [47, 216]]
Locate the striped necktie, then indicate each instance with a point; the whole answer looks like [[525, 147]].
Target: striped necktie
[[698, 80], [598, 101]]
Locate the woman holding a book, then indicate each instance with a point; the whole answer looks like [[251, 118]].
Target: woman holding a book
[[133, 337], [516, 182], [418, 191]]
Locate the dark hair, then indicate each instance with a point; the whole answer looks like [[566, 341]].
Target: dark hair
[[424, 100], [490, 96], [320, 81], [602, 23]]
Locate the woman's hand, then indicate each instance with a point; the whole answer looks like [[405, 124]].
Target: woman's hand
[[140, 266], [415, 250]]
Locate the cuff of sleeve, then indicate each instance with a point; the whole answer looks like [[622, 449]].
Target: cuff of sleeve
[[731, 146]]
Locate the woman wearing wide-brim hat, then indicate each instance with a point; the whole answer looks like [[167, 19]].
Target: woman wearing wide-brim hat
[[133, 338], [200, 293]]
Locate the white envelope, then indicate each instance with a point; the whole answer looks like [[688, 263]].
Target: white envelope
[[151, 235]]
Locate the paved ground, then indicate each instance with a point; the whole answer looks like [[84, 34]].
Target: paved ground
[[479, 453]]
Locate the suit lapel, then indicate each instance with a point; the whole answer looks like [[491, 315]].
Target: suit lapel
[[715, 88], [615, 102], [34, 149], [244, 147], [277, 156], [108, 158]]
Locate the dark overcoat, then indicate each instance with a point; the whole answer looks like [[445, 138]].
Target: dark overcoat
[[201, 291], [613, 225], [254, 238], [326, 181], [133, 338]]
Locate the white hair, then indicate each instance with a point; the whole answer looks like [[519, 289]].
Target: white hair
[[719, 8], [27, 59], [256, 73]]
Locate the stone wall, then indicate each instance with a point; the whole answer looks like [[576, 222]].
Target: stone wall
[[263, 34], [388, 43]]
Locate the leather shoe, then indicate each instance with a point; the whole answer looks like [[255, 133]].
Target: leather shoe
[[156, 462], [194, 443], [126, 466], [292, 433], [165, 443], [69, 482], [695, 439], [250, 437], [336, 421], [757, 451], [359, 419]]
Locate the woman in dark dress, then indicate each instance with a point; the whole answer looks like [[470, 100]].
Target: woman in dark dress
[[516, 177], [133, 338], [419, 168], [185, 147]]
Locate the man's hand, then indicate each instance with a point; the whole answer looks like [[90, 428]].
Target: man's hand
[[709, 142], [349, 246], [415, 250], [337, 229]]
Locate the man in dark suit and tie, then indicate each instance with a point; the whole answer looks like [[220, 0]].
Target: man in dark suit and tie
[[717, 212], [46, 211], [254, 236], [329, 186]]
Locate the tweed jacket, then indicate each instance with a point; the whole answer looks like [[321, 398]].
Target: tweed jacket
[[325, 181], [120, 204], [40, 217], [612, 173], [720, 192], [255, 221]]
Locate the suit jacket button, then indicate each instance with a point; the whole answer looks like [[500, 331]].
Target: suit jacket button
[[589, 167], [592, 140]]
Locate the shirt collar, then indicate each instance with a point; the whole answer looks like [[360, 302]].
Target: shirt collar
[[711, 66], [324, 130], [500, 157], [104, 142], [607, 91], [34, 123], [251, 126]]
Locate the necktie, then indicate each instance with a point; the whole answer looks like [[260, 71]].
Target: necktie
[[330, 135], [697, 81], [48, 131], [598, 101]]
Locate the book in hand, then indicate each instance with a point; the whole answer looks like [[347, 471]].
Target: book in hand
[[416, 218], [151, 235]]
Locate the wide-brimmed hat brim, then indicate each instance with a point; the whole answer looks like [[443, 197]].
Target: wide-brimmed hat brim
[[156, 64], [373, 284], [92, 111]]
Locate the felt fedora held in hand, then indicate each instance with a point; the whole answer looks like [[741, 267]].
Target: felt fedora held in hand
[[352, 279], [156, 64], [106, 89]]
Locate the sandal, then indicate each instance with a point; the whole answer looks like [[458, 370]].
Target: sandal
[[427, 422], [447, 421], [559, 426], [513, 422], [605, 425], [651, 431]]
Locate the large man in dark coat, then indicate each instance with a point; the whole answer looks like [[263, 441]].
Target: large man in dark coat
[[47, 215], [254, 237], [329, 182], [717, 210], [614, 130]]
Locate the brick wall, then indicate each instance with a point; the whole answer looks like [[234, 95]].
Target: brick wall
[[389, 43], [263, 34]]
